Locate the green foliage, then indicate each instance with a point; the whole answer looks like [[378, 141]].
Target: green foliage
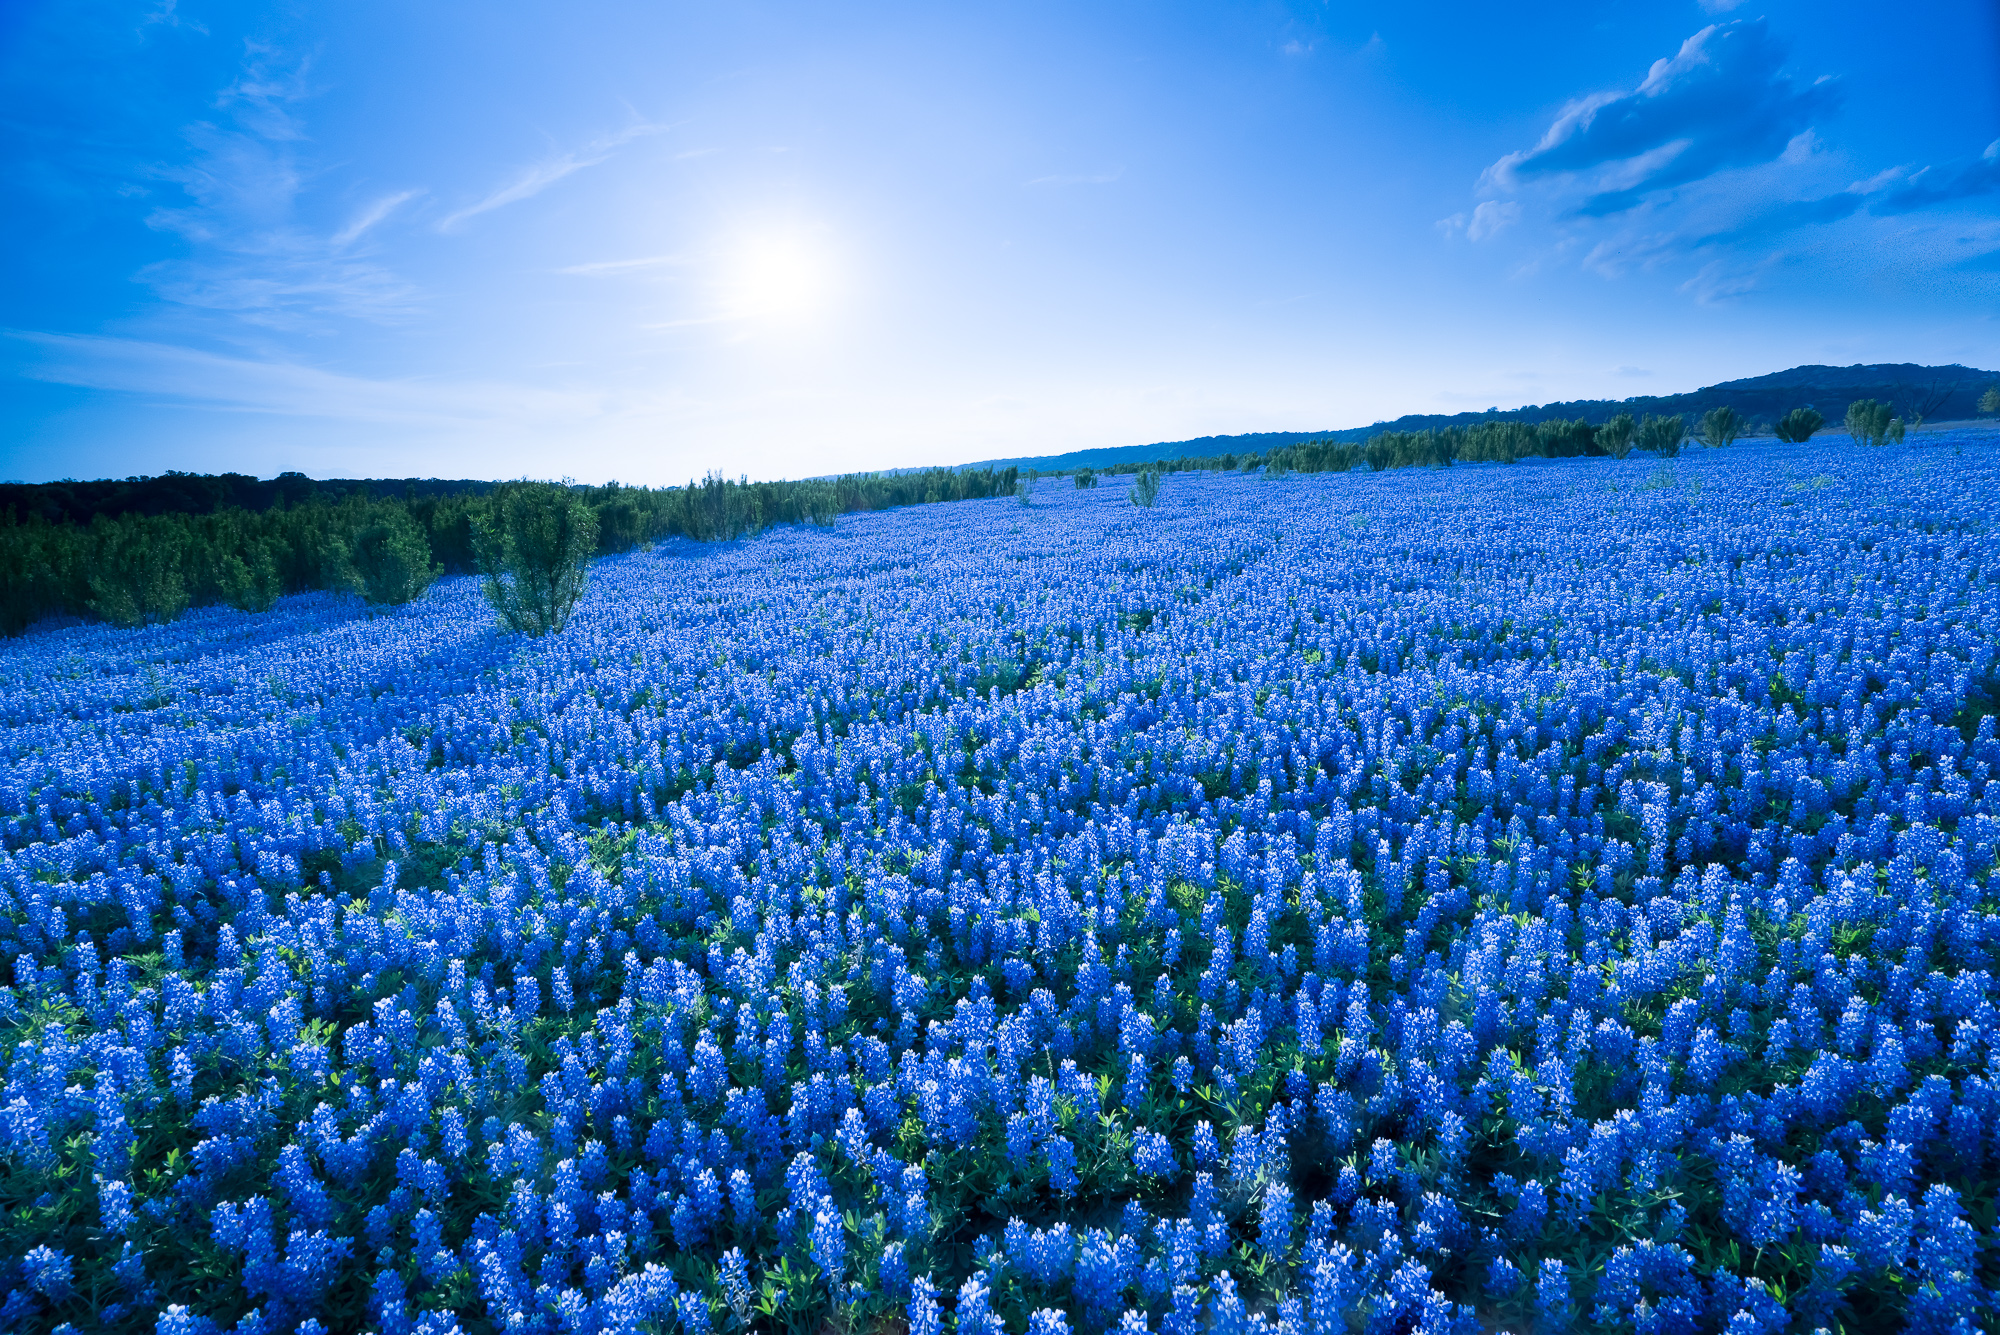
[[1085, 479], [1146, 488], [1024, 492], [248, 579], [1989, 402], [1559, 439], [1720, 426], [1797, 426], [346, 535], [135, 573], [391, 560], [1871, 422], [1615, 436], [1662, 435], [534, 544]]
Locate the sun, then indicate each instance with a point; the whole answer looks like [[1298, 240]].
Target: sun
[[783, 277]]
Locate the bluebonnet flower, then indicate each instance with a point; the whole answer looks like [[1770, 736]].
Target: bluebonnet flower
[[1152, 1154], [781, 857], [1552, 1295]]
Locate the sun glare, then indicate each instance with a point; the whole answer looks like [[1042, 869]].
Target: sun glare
[[784, 277]]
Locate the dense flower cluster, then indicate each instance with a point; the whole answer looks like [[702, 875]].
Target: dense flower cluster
[[1537, 897]]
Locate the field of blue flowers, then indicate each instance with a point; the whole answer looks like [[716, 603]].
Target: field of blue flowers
[[1544, 897]]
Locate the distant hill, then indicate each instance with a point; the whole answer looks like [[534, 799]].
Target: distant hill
[[1950, 391]]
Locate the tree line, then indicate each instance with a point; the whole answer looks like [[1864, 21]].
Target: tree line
[[135, 560], [1868, 421]]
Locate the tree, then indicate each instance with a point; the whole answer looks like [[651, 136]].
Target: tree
[[534, 545], [1870, 423], [1146, 489], [1797, 426], [1928, 402], [248, 579], [1024, 492], [1615, 436], [390, 559], [1662, 435], [136, 569], [1989, 402], [1085, 479], [1720, 427]]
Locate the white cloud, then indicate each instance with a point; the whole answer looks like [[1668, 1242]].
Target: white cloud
[[175, 374], [1491, 218], [1724, 100], [607, 268], [374, 213], [540, 176], [249, 252], [1725, 279]]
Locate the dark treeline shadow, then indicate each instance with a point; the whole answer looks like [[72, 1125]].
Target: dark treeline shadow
[[144, 550]]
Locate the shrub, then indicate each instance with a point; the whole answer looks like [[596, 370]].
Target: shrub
[[1024, 492], [1720, 427], [1562, 439], [1663, 435], [1989, 402], [1146, 488], [1871, 423], [390, 560], [1085, 479], [534, 544], [1797, 426], [1615, 436]]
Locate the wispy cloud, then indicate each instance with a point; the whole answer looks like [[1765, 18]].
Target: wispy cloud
[[165, 15], [534, 179], [1489, 219], [168, 373], [1889, 193], [608, 268], [249, 252], [1726, 278], [373, 213], [1723, 101]]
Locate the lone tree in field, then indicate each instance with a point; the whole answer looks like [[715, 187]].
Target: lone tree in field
[[1796, 427], [391, 559], [1720, 427], [534, 544], [1662, 435], [1989, 402], [1085, 479], [1146, 488]]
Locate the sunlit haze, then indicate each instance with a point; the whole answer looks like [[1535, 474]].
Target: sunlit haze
[[644, 241]]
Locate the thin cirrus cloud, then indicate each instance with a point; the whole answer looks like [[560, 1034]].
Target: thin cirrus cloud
[[616, 268], [374, 213], [237, 384], [249, 253], [538, 177], [1723, 101]]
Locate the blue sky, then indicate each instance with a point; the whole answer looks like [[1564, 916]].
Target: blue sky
[[644, 240]]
